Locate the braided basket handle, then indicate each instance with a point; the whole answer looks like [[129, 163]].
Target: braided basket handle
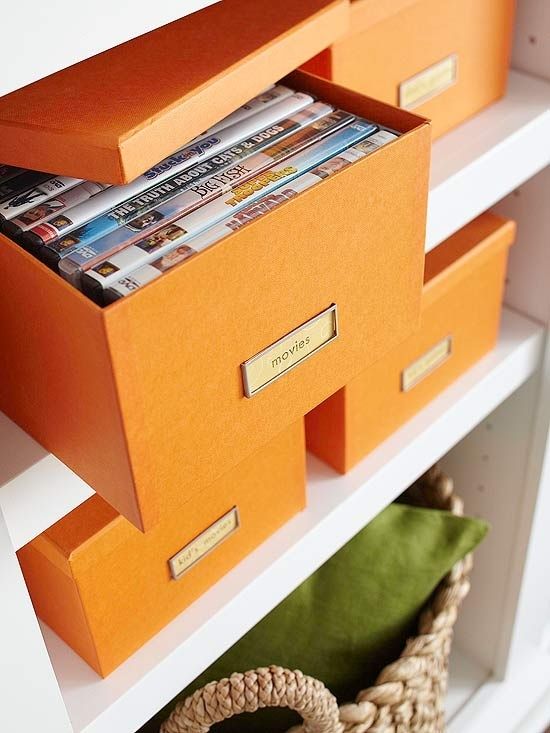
[[259, 688]]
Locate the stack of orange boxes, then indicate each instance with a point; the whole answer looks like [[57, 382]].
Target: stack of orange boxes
[[177, 404], [183, 404]]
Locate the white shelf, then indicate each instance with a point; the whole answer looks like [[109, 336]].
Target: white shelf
[[466, 677], [488, 156], [338, 507], [36, 489], [41, 38], [502, 705]]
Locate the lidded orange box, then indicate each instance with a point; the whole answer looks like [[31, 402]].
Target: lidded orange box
[[111, 117], [461, 306], [105, 588], [148, 394], [446, 59]]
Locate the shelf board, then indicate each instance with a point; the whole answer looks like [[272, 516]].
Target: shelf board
[[36, 488], [487, 157], [338, 507], [466, 677], [57, 37], [501, 705]]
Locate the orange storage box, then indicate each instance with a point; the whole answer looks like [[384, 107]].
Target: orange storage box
[[461, 305], [113, 116], [446, 59], [105, 588], [148, 394]]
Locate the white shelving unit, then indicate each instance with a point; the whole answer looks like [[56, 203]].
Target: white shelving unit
[[338, 507], [490, 429], [39, 39]]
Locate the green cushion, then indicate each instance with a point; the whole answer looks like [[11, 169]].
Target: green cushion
[[354, 614]]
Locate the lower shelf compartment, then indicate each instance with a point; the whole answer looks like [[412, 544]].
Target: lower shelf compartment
[[338, 507]]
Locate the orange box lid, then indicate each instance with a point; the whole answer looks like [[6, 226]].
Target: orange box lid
[[464, 251], [366, 13], [111, 117]]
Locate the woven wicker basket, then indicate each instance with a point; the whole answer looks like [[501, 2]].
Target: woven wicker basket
[[409, 694]]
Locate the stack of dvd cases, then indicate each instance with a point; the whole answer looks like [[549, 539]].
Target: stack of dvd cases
[[109, 241]]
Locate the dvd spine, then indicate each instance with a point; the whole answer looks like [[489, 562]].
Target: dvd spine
[[55, 206], [20, 183], [103, 275], [22, 202], [48, 233], [8, 172], [124, 213], [149, 272], [200, 195], [266, 99]]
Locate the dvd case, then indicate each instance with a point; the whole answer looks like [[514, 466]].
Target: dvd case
[[20, 183], [146, 250], [181, 252], [201, 194], [47, 209], [267, 98], [9, 171], [26, 200], [49, 232], [125, 212]]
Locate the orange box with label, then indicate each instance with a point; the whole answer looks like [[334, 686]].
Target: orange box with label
[[446, 59], [106, 588], [461, 306], [148, 393]]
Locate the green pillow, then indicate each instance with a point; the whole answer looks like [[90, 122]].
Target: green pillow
[[353, 615]]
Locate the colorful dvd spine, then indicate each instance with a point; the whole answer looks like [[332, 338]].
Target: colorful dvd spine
[[9, 171], [47, 209], [26, 200], [146, 250], [147, 273], [266, 99], [199, 195], [126, 212], [20, 183], [47, 232]]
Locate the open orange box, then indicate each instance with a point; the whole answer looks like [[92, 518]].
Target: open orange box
[[446, 59], [461, 306], [148, 394], [113, 116], [105, 588]]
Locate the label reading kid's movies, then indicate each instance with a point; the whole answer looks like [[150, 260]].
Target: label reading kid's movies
[[207, 541]]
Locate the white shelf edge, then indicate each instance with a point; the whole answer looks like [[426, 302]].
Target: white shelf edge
[[36, 488], [466, 677], [501, 705], [338, 507], [57, 37], [488, 156]]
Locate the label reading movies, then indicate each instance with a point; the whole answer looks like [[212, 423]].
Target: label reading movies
[[289, 351]]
